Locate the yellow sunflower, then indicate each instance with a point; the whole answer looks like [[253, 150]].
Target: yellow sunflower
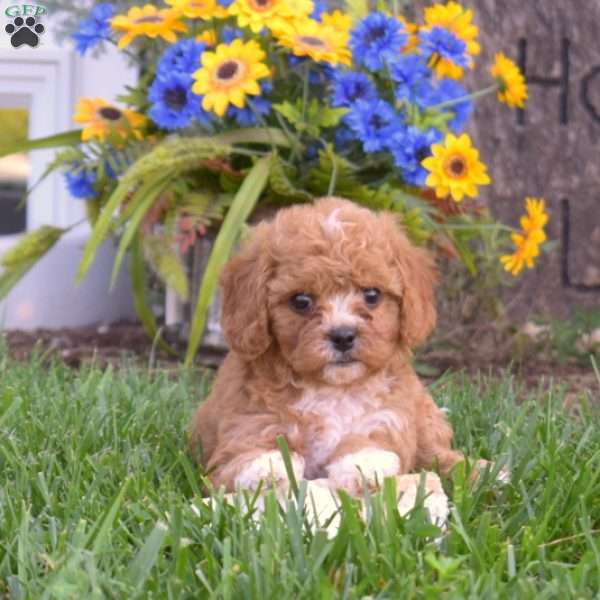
[[198, 9], [229, 74], [527, 243], [319, 41], [454, 17], [105, 121], [536, 217], [338, 20], [274, 14], [512, 89], [455, 168], [150, 21], [527, 248]]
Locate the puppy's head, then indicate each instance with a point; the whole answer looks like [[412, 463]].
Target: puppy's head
[[333, 288]]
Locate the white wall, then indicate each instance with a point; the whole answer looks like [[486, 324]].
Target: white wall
[[49, 79]]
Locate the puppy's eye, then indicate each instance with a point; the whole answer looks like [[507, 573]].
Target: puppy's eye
[[372, 296], [302, 303]]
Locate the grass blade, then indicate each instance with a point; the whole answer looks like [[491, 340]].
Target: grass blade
[[140, 567]]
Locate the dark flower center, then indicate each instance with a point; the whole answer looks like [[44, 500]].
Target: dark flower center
[[227, 70], [310, 40], [457, 166], [149, 19], [377, 122], [375, 34], [110, 113], [261, 4], [422, 153], [175, 97]]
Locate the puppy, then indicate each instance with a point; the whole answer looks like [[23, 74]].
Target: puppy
[[321, 310]]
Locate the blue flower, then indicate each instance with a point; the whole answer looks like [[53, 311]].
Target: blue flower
[[174, 105], [319, 8], [411, 74], [446, 90], [376, 39], [225, 3], [350, 86], [373, 123], [80, 182], [94, 30], [410, 147], [444, 43], [246, 117], [182, 57], [228, 34]]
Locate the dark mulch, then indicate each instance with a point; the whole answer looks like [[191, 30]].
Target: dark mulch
[[119, 342]]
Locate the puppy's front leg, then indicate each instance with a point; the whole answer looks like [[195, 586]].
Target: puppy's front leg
[[247, 470], [358, 458]]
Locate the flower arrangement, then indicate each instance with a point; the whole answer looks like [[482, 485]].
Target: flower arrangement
[[242, 103]]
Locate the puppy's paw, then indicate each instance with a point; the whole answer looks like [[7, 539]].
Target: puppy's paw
[[370, 464], [270, 468]]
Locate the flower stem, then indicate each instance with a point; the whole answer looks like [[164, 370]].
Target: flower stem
[[478, 94], [305, 89]]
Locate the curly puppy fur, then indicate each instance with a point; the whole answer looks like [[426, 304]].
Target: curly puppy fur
[[347, 414]]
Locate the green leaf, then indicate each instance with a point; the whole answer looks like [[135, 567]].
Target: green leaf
[[254, 135], [11, 277], [24, 255], [293, 113], [244, 202], [166, 263], [67, 138], [103, 224], [282, 186], [137, 273], [31, 246], [321, 115], [152, 192]]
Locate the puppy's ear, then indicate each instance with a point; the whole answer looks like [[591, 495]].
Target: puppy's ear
[[418, 276], [244, 315]]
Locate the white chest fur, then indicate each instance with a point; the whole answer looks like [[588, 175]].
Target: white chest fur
[[328, 414]]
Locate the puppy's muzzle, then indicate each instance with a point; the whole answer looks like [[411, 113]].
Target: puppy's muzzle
[[342, 338]]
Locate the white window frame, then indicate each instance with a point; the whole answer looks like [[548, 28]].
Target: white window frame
[[42, 81]]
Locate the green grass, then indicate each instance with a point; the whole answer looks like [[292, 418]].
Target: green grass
[[96, 494]]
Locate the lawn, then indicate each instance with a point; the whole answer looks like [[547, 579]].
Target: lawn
[[98, 498]]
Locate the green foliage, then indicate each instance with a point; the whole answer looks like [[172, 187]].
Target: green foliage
[[137, 273], [280, 182], [17, 261], [241, 207], [67, 138], [166, 263], [99, 498], [311, 118]]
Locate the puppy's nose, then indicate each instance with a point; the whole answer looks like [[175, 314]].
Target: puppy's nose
[[342, 338]]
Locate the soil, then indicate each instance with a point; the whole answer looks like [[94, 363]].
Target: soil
[[118, 343]]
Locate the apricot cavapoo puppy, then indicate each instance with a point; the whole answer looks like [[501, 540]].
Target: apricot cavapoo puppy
[[321, 310]]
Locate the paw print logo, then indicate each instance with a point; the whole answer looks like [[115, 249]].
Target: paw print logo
[[24, 31]]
